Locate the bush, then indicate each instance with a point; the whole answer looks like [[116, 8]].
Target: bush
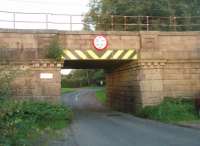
[[171, 110], [55, 51], [23, 121], [73, 83], [7, 74]]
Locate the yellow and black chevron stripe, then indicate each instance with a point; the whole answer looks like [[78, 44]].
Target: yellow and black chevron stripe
[[129, 54]]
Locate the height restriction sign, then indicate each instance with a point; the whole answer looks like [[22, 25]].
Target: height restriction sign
[[100, 42]]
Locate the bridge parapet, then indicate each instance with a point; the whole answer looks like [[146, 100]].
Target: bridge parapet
[[167, 63], [27, 45]]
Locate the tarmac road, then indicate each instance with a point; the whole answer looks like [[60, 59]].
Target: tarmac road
[[94, 125]]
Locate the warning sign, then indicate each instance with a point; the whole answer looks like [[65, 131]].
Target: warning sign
[[100, 42]]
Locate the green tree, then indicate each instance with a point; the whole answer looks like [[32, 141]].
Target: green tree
[[101, 11], [83, 77]]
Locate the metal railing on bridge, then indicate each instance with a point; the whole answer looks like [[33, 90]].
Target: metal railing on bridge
[[21, 20]]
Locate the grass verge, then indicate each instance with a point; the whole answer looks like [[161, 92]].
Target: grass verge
[[23, 122], [101, 96], [67, 90], [171, 111]]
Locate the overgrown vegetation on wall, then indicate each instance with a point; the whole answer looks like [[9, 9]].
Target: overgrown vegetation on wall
[[55, 51], [7, 74], [171, 110]]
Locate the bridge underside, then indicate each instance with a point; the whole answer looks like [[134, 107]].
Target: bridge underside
[[93, 64]]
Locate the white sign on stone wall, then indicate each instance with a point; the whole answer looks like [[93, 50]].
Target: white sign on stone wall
[[46, 76]]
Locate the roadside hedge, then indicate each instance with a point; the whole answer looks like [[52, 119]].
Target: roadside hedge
[[22, 122], [171, 110]]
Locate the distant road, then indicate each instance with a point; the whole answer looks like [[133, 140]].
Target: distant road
[[95, 126]]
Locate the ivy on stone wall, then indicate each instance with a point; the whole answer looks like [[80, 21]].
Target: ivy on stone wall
[[55, 51]]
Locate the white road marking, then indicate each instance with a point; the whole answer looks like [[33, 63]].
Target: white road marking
[[76, 97]]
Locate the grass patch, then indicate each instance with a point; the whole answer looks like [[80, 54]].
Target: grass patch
[[91, 87], [23, 122], [101, 96], [67, 90], [171, 110]]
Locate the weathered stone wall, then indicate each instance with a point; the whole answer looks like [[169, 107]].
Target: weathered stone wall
[[181, 53], [151, 81], [29, 84], [135, 84], [168, 64], [182, 79], [170, 45], [123, 87], [179, 46]]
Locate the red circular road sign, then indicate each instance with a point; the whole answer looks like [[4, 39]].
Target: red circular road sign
[[100, 42]]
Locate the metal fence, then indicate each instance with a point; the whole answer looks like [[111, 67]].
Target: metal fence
[[21, 20]]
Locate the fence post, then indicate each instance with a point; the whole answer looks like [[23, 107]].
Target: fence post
[[112, 22], [70, 19], [14, 20], [170, 23], [138, 23], [47, 21], [147, 23], [174, 23], [98, 22], [125, 26]]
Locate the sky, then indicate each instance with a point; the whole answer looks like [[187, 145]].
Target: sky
[[71, 7], [74, 7], [46, 6]]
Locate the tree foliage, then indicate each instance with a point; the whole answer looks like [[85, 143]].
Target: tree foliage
[[162, 8], [83, 77]]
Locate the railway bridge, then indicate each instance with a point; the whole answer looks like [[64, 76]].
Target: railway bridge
[[141, 67]]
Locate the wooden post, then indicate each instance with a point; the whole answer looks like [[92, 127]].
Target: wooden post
[[125, 25], [70, 17], [147, 23], [47, 21], [14, 20], [174, 23], [112, 22]]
